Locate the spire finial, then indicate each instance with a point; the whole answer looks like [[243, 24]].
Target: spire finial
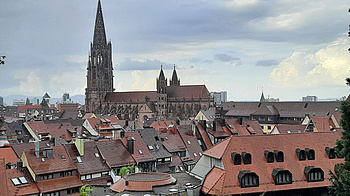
[[174, 66], [161, 66]]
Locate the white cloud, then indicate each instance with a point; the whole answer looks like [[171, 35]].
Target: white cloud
[[328, 66]]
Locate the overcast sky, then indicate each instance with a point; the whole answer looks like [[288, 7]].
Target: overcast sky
[[290, 48]]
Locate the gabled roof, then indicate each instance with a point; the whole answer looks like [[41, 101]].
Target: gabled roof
[[115, 153], [253, 127], [287, 129], [163, 124], [90, 163], [8, 154], [28, 188], [236, 128], [190, 140], [323, 123], [131, 97], [171, 140], [141, 151], [285, 109], [57, 130], [187, 92], [149, 135], [256, 145], [50, 165], [268, 110]]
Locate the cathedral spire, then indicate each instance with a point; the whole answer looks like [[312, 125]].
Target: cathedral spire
[[99, 33], [174, 80], [161, 74], [262, 98]]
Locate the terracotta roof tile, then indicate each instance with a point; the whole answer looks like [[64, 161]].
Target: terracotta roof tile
[[3, 178], [56, 184], [115, 153], [188, 92], [190, 140], [146, 156], [50, 165], [8, 154], [29, 188], [256, 145], [323, 123], [286, 129], [204, 135]]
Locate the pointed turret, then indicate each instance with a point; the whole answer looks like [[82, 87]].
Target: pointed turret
[[161, 81], [99, 33], [174, 80], [161, 74], [262, 98]]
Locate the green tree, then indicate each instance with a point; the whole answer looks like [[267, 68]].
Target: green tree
[[85, 190], [341, 177], [126, 170]]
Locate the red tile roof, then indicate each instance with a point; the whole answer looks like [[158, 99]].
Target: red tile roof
[[57, 130], [56, 184], [139, 145], [50, 165], [3, 178], [8, 154], [323, 123], [229, 184], [29, 188], [190, 140], [204, 135], [286, 129], [164, 124], [188, 92], [29, 106], [115, 153]]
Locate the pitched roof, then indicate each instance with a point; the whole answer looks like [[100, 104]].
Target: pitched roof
[[90, 163], [18, 148], [141, 151], [286, 129], [187, 92], [190, 140], [3, 178], [8, 154], [50, 165], [152, 140], [204, 135], [29, 188], [131, 97], [57, 130], [266, 110], [56, 184], [323, 123], [115, 153], [256, 145], [285, 109]]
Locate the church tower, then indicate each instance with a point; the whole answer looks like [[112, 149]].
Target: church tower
[[100, 67], [161, 94], [174, 80]]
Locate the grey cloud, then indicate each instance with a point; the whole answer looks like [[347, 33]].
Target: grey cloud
[[267, 63], [129, 64]]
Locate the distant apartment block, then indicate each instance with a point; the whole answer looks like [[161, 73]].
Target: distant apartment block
[[34, 101], [272, 99], [18, 102], [1, 100], [309, 98], [219, 97]]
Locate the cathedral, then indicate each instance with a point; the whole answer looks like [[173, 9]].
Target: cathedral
[[173, 100]]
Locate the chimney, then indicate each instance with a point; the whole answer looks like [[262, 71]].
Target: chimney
[[37, 149], [19, 164], [240, 120], [130, 145]]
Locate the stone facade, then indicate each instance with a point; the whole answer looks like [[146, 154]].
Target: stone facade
[[175, 100]]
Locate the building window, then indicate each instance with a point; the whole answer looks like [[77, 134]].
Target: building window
[[248, 179], [313, 174], [281, 176], [269, 156], [270, 118], [269, 127], [247, 158], [236, 158], [65, 173], [301, 154]]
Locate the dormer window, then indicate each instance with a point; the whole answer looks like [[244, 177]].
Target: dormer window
[[310, 153], [301, 154], [330, 152], [281, 176], [236, 158], [269, 156], [279, 155], [247, 158], [248, 179], [313, 174]]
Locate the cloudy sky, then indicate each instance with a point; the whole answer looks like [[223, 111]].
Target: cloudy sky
[[290, 48]]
